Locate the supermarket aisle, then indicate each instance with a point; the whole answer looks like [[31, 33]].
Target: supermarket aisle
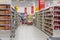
[[27, 32]]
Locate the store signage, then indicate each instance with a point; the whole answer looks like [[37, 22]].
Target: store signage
[[41, 4], [25, 10], [36, 8], [32, 9]]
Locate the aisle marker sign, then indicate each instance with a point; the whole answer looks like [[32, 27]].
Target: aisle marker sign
[[25, 10], [41, 4]]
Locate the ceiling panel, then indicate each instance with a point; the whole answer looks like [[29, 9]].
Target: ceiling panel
[[24, 0], [22, 3]]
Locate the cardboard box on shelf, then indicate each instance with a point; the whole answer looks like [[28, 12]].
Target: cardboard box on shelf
[[7, 17], [7, 28], [4, 17], [2, 28], [2, 22], [5, 12], [2, 6], [2, 12]]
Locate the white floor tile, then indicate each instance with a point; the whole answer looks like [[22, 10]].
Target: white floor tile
[[28, 32]]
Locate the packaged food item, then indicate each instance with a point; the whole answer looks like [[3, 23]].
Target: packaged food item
[[2, 7], [2, 28]]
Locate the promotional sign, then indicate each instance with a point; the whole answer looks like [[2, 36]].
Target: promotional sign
[[32, 9], [41, 4]]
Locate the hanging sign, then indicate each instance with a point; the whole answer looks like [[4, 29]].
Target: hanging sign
[[32, 9], [41, 4], [25, 10]]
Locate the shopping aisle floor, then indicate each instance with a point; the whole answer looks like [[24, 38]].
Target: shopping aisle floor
[[28, 32]]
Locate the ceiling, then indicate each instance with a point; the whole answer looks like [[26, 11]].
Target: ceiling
[[24, 0], [22, 3]]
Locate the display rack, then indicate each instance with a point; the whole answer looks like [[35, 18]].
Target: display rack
[[37, 20], [8, 22], [14, 22], [50, 20], [5, 20]]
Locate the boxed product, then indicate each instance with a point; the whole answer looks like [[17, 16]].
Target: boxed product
[[8, 17], [2, 17], [2, 28], [2, 12], [2, 22], [7, 22], [7, 28], [2, 7]]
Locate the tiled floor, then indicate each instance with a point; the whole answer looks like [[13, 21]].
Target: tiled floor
[[28, 32]]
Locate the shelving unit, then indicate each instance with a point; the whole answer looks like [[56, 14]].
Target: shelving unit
[[37, 20], [49, 21], [5, 20], [14, 22], [8, 21], [51, 18]]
